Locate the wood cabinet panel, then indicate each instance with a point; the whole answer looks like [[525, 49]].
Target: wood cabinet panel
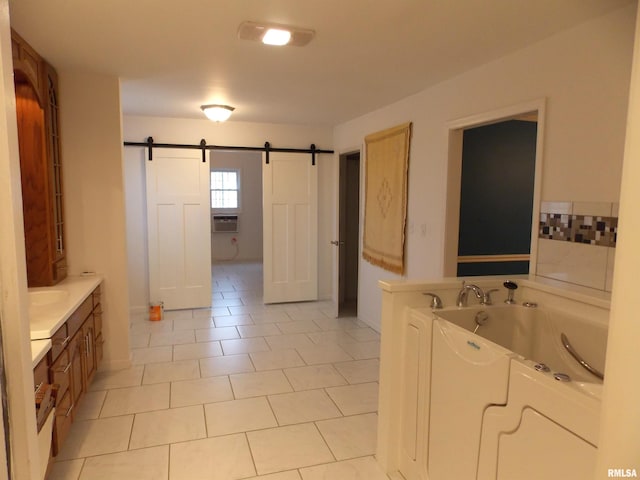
[[60, 372], [77, 318], [88, 333], [41, 373], [62, 422], [59, 342], [75, 350], [36, 88], [26, 62], [43, 392], [79, 342]]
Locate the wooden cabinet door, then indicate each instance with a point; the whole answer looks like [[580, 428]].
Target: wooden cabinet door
[[99, 339], [52, 131], [89, 346], [77, 377], [63, 420]]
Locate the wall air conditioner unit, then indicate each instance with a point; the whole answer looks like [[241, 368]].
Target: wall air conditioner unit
[[224, 223]]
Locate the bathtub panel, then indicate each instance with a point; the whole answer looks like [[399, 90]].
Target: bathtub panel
[[565, 420], [565, 455], [410, 391], [468, 374], [414, 395]]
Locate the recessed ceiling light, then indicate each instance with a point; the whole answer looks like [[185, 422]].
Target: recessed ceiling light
[[217, 113], [262, 32]]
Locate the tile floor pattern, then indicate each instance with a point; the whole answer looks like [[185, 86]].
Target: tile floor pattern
[[239, 391]]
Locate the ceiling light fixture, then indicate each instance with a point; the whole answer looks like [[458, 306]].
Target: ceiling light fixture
[[275, 34], [217, 113]]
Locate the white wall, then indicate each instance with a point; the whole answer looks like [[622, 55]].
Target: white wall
[[14, 319], [93, 186], [584, 75], [249, 235], [175, 130], [620, 422]]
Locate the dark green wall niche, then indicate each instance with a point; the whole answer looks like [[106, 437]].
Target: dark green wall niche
[[496, 200]]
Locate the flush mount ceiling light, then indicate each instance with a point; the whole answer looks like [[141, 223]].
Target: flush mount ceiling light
[[275, 34], [217, 113]]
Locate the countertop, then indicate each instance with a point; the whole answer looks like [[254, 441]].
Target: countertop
[[45, 319], [39, 349]]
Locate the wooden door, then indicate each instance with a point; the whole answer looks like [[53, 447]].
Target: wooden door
[[290, 228], [179, 225]]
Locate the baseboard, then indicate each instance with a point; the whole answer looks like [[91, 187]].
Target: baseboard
[[110, 366]]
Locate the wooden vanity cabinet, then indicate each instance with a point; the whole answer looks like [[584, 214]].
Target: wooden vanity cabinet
[[36, 88], [80, 362]]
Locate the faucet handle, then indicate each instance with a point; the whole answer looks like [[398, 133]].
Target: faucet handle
[[486, 299], [436, 303]]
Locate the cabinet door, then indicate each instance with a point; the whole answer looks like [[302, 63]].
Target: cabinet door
[[89, 357], [52, 130], [36, 88], [75, 349], [62, 422], [99, 339], [97, 319]]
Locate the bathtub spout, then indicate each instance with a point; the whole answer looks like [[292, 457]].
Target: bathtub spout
[[464, 291]]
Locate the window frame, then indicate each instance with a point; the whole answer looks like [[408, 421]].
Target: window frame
[[238, 189]]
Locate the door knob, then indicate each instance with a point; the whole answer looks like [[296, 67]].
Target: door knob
[[337, 242]]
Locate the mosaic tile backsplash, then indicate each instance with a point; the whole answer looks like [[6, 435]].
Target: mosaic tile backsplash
[[588, 229]]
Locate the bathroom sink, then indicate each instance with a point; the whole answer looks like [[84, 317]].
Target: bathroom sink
[[47, 297]]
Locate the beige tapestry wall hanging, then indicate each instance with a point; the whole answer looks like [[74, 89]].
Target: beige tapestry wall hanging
[[385, 207]]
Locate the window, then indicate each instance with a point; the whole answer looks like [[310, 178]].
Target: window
[[225, 189]]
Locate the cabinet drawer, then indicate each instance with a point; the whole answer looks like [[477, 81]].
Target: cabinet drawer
[[62, 422], [60, 372], [78, 317], [41, 373], [59, 341]]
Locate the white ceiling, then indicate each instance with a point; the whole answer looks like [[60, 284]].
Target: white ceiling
[[173, 56]]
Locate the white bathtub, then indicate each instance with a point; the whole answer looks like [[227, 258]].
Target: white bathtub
[[493, 415], [534, 333]]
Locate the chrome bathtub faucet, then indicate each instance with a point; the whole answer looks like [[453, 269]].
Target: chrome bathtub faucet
[[486, 298], [464, 291], [436, 302]]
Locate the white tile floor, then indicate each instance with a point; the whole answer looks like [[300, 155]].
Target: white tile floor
[[238, 391]]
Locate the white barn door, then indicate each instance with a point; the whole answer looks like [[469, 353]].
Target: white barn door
[[178, 223], [290, 228]]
